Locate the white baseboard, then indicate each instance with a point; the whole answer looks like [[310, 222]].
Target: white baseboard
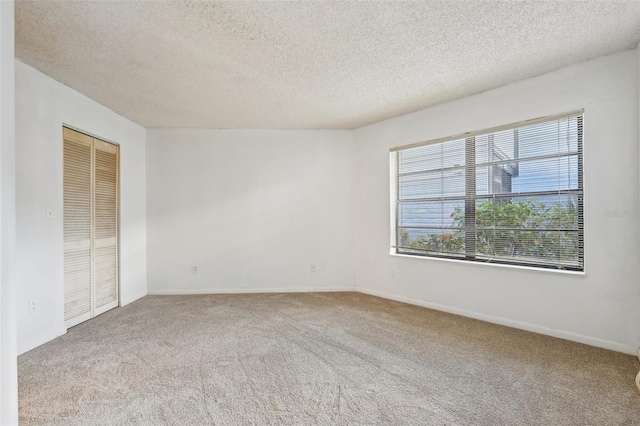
[[175, 292], [592, 341], [40, 340], [124, 302]]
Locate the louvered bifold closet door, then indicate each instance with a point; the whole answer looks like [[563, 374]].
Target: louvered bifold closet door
[[90, 227], [77, 227], [106, 226]]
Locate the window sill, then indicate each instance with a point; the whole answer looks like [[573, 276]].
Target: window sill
[[493, 265]]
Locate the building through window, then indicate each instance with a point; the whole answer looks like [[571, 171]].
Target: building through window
[[513, 194]]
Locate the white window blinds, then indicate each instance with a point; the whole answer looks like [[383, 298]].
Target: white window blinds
[[513, 194]]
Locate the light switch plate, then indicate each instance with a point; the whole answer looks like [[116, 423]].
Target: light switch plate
[[49, 213]]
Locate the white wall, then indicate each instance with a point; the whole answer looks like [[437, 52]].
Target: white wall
[[42, 107], [8, 339], [253, 209], [599, 307]]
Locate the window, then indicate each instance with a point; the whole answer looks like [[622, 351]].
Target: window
[[511, 195]]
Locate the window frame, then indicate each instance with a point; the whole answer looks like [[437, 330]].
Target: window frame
[[470, 198]]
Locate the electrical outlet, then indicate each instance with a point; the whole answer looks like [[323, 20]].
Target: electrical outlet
[[194, 269], [34, 306], [313, 268]]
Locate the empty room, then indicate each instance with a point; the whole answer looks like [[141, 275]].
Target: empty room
[[319, 212]]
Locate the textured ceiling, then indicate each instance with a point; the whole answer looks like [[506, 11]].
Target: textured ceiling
[[306, 64]]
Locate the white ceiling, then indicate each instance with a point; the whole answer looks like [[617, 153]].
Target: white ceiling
[[306, 64]]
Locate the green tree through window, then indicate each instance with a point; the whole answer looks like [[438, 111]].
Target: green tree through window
[[509, 195]]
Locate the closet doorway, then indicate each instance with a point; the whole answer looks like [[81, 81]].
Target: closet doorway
[[91, 222]]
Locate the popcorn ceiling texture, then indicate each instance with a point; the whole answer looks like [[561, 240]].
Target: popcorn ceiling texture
[[306, 64]]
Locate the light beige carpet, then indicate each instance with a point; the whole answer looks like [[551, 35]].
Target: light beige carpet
[[320, 358]]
